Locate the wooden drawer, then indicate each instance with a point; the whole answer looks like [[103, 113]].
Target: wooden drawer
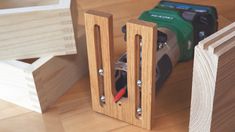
[[31, 29], [36, 85]]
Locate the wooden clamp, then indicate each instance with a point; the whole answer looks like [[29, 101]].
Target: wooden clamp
[[213, 91], [99, 32]]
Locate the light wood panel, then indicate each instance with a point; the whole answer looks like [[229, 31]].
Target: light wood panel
[[213, 107], [36, 31], [36, 86]]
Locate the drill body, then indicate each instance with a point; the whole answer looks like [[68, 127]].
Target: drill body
[[180, 27]]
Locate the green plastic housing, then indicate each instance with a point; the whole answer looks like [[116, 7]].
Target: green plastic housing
[[172, 20]]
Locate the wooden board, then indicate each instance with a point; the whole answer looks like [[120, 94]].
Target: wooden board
[[36, 30], [36, 86], [100, 54], [213, 94]]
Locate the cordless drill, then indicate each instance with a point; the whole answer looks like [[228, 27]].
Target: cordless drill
[[180, 27]]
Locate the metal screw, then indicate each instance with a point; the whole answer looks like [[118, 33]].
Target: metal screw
[[139, 83], [139, 111], [102, 99], [202, 34], [101, 72], [160, 45]]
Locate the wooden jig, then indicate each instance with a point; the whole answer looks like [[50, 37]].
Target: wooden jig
[[99, 32]]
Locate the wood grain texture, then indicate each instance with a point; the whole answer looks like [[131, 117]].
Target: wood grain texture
[[73, 112], [46, 30], [6, 4], [36, 86], [213, 107], [148, 34], [124, 110], [100, 58]]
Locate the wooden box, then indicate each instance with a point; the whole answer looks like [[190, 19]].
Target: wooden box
[[36, 85], [31, 29]]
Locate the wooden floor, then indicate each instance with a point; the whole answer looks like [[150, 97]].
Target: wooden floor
[[73, 113]]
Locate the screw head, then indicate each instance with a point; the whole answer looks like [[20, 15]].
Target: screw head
[[101, 72], [139, 110], [202, 34], [139, 83], [102, 99], [160, 46]]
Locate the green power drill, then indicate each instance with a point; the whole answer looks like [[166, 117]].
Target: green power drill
[[180, 27]]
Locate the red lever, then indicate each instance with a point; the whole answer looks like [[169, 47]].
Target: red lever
[[120, 94]]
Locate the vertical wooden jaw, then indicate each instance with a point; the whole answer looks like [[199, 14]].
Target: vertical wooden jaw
[[100, 54], [213, 91]]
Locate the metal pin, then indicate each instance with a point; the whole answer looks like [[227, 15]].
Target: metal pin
[[101, 72], [160, 45], [139, 111], [139, 83], [102, 99]]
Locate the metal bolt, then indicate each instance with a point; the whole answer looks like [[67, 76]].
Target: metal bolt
[[139, 83], [101, 72], [202, 34], [139, 111], [102, 99], [160, 45]]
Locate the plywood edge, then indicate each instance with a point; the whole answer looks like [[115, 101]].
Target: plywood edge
[[212, 58], [216, 36]]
